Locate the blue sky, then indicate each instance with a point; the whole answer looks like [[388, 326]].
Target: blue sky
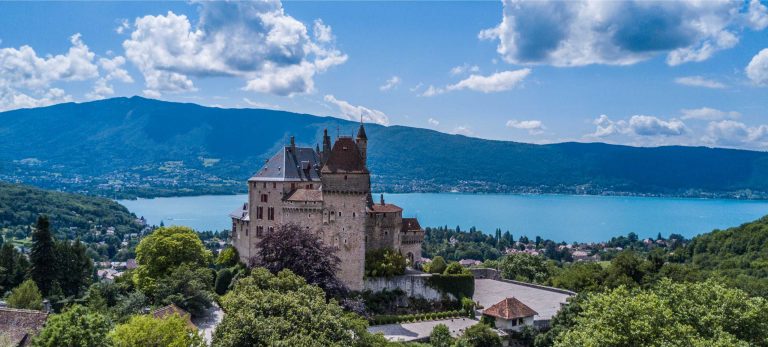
[[638, 73]]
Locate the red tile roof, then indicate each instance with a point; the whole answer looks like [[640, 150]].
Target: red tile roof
[[306, 195], [410, 224], [21, 325], [385, 208], [509, 308], [345, 157]]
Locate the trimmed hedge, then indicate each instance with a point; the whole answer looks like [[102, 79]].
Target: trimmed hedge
[[460, 286], [416, 317]]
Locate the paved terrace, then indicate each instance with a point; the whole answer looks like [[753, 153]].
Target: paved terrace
[[407, 332], [544, 300]]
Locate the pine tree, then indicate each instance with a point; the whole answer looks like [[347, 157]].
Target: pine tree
[[43, 256]]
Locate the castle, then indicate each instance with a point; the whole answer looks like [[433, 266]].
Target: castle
[[329, 193]]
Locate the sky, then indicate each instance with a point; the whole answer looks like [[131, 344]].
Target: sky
[[639, 73]]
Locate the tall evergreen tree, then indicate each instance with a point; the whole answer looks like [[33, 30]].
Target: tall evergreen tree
[[43, 256], [73, 267]]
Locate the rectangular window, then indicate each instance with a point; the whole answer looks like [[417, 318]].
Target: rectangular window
[[271, 229], [259, 231], [274, 184], [259, 212], [264, 197], [265, 185], [271, 213]]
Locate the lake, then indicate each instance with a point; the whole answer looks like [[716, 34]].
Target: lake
[[558, 217]]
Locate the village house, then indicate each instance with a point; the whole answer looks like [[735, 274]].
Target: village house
[[510, 314], [19, 326], [328, 192]]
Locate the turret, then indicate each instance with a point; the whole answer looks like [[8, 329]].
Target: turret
[[362, 142], [326, 147]]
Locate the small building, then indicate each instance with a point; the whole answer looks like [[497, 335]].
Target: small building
[[20, 326], [511, 314]]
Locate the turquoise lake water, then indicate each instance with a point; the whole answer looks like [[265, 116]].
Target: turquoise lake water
[[558, 217]]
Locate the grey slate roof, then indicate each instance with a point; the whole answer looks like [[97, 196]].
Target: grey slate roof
[[20, 326], [241, 213], [285, 165]]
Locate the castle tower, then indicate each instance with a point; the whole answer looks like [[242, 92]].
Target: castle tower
[[326, 147], [346, 185], [362, 142]]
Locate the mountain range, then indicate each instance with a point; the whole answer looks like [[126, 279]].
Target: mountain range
[[128, 147]]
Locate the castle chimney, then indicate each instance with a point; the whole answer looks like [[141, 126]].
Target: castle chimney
[[362, 142], [293, 144], [382, 199]]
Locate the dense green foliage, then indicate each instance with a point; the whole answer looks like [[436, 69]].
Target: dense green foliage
[[228, 257], [145, 330], [160, 253], [223, 280], [13, 267], [297, 249], [26, 296], [440, 336], [43, 256], [525, 267], [738, 255], [188, 287], [283, 310], [384, 262], [21, 205], [415, 317], [219, 143], [460, 286], [479, 335], [76, 326], [670, 314]]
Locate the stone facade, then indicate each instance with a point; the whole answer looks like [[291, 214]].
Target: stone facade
[[327, 191]]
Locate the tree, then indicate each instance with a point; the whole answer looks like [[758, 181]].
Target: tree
[[525, 267], [480, 335], [267, 310], [456, 269], [26, 296], [304, 253], [581, 276], [228, 257], [74, 268], [76, 326], [627, 269], [384, 262], [437, 265], [160, 253], [223, 280], [440, 336], [188, 287], [148, 331], [670, 314], [13, 267], [42, 256]]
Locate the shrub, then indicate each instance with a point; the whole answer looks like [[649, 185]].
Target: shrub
[[384, 262], [460, 286], [223, 279]]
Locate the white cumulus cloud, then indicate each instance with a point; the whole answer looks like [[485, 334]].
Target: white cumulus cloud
[[256, 41], [392, 82], [583, 32], [353, 112], [497, 82], [462, 130], [433, 122], [757, 70], [731, 133], [534, 127], [638, 125], [699, 81], [26, 79], [708, 113], [461, 69]]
